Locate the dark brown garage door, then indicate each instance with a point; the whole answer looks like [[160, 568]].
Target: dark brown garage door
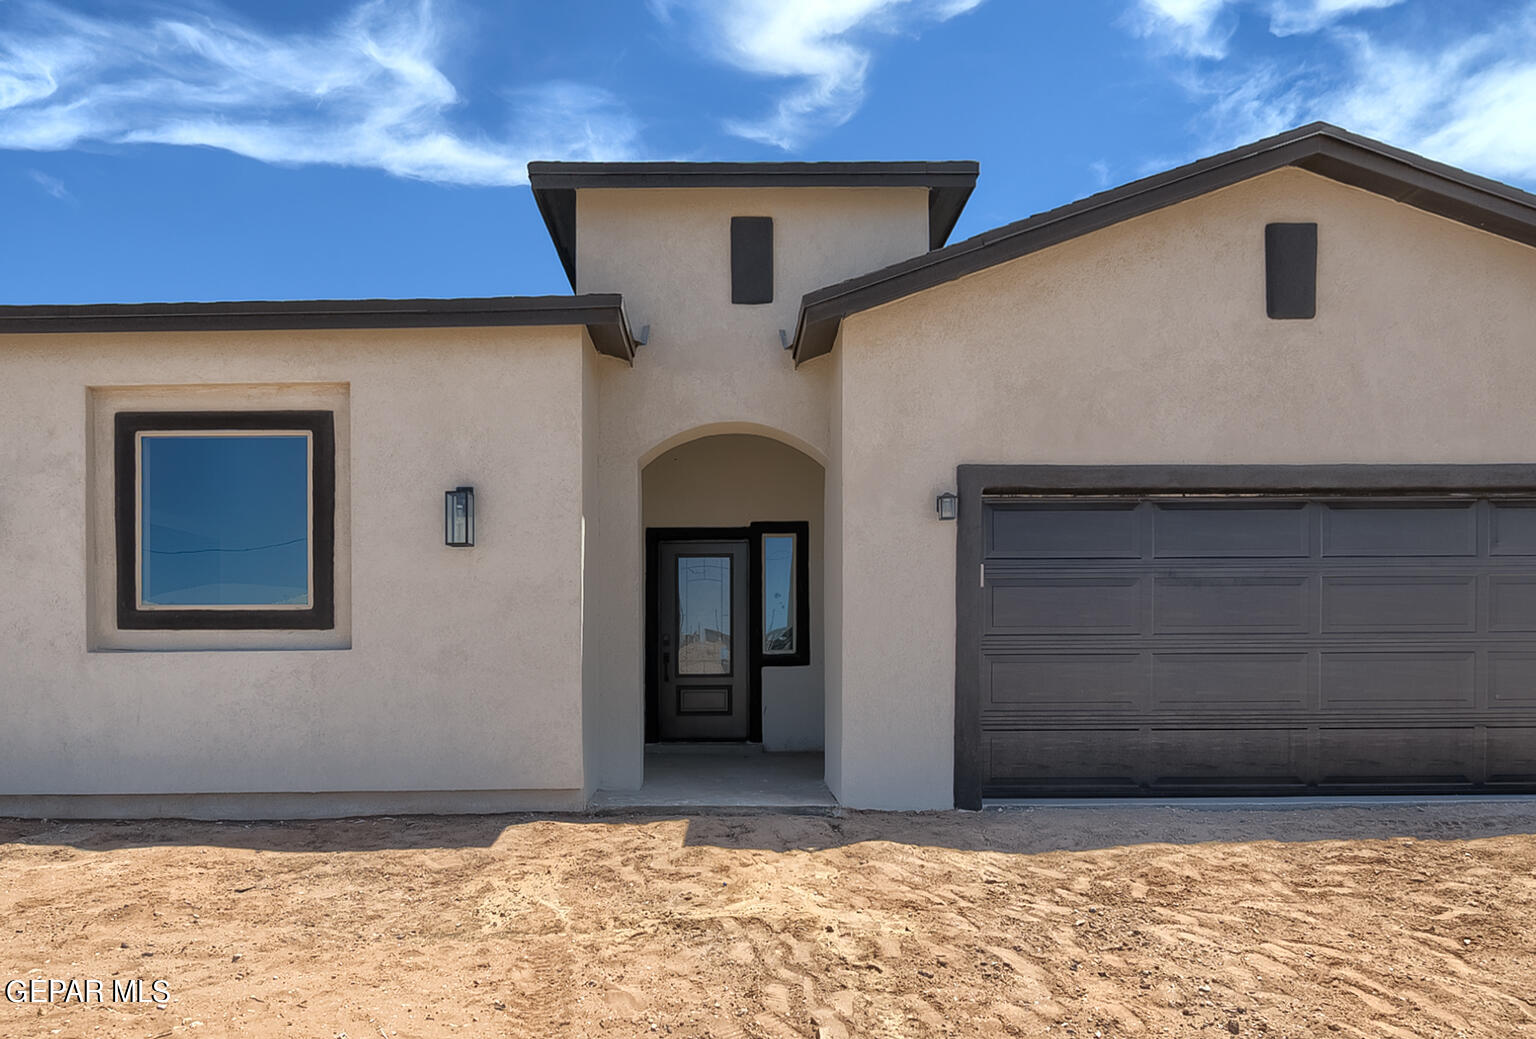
[[1253, 644]]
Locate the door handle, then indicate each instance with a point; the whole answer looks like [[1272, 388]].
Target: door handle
[[666, 667]]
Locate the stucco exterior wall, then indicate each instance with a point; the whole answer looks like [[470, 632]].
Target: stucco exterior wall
[[463, 680], [710, 367], [731, 481], [591, 576], [833, 577], [1146, 342]]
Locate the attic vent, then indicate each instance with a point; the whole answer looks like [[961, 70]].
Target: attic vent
[[1290, 270], [751, 259]]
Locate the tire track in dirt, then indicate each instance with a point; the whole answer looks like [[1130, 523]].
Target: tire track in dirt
[[878, 925]]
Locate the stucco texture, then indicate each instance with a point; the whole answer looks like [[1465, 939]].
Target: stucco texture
[[710, 367], [464, 671], [1146, 342]]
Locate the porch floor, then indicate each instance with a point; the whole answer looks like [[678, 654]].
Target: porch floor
[[696, 776]]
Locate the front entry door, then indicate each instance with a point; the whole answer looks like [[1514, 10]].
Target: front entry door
[[704, 685]]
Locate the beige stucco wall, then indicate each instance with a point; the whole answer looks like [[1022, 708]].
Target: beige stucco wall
[[464, 672], [593, 586], [832, 574], [731, 481], [1146, 342], [710, 367]]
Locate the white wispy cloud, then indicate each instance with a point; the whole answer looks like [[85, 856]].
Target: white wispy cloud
[[822, 47], [1290, 17], [1194, 28], [1204, 28], [1466, 98], [52, 185], [369, 91]]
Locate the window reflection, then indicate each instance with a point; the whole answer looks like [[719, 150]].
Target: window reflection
[[779, 635], [704, 615], [224, 520]]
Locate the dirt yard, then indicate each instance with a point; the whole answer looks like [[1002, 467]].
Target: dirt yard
[[1093, 923]]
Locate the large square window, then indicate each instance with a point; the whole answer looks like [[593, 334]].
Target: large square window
[[225, 519]]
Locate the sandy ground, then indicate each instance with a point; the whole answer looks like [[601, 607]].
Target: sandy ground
[[1382, 922]]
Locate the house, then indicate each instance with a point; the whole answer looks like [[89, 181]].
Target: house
[[1242, 460]]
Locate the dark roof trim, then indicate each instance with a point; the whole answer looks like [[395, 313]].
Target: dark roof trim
[[1318, 147], [555, 184], [602, 314], [1342, 479]]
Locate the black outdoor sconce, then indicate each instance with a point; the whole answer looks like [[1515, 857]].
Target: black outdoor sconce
[[459, 517], [948, 505]]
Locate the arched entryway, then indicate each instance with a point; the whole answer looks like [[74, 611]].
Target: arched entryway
[[734, 533], [734, 648]]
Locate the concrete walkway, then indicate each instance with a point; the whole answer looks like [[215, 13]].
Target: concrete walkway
[[728, 776]]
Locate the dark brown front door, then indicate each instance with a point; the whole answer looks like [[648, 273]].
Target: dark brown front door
[[704, 681]]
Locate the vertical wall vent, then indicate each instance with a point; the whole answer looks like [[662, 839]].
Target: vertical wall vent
[[1290, 270], [751, 259]]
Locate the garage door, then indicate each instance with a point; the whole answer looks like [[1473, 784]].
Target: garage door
[[1251, 644]]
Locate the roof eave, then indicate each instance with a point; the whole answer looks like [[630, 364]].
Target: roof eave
[[554, 186], [1318, 148], [602, 315], [558, 208]]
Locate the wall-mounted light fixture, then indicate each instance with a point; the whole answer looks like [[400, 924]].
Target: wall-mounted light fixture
[[459, 517], [948, 505]]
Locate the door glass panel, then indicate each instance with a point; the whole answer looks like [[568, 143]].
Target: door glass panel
[[779, 590], [704, 615]]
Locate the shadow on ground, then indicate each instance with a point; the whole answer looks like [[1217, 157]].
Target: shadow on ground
[[1036, 830], [1024, 830]]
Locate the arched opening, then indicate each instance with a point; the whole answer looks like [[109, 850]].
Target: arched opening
[[734, 547]]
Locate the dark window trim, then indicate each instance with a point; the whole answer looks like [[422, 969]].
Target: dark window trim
[[801, 657], [321, 615], [977, 481]]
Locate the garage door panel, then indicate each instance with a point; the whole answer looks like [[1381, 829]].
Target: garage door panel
[[1512, 602], [1066, 758], [1224, 530], [1431, 529], [1065, 604], [1512, 678], [1387, 681], [1211, 681], [1243, 644], [1398, 756], [1070, 681], [1512, 529], [1230, 757], [1512, 754], [1093, 531], [1399, 603], [1213, 603]]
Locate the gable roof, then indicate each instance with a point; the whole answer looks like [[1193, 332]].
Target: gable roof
[[1319, 148], [555, 184], [602, 314]]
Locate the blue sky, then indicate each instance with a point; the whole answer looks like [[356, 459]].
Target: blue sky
[[287, 149]]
